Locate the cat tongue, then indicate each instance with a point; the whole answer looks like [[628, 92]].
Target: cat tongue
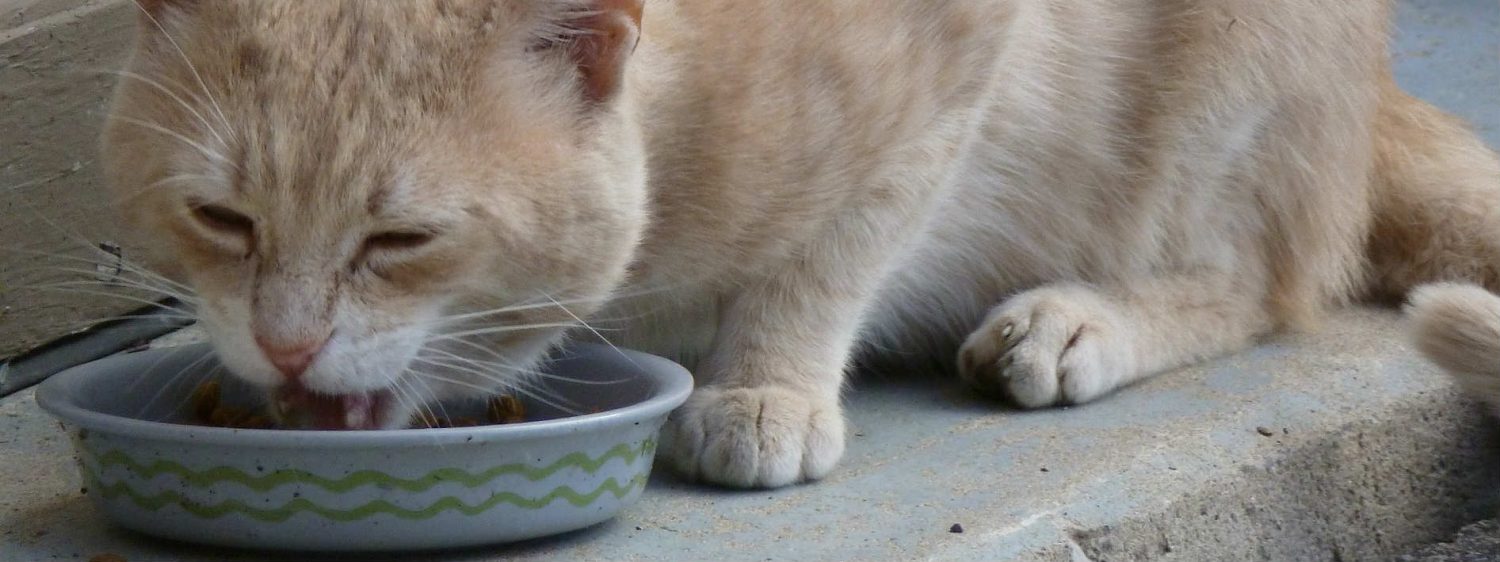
[[330, 411]]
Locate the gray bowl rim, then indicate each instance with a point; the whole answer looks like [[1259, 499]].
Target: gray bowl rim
[[57, 396]]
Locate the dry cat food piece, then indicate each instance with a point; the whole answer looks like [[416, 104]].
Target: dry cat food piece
[[506, 409], [430, 420], [209, 410], [499, 410]]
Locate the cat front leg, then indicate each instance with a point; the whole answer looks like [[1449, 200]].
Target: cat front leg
[[769, 414], [1071, 343], [767, 410]]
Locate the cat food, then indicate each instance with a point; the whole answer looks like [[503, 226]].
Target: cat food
[[208, 409], [499, 410]]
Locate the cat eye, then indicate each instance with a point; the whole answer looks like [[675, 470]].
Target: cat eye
[[398, 240], [224, 219], [383, 250]]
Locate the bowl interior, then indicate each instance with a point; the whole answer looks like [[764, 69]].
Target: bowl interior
[[158, 385]]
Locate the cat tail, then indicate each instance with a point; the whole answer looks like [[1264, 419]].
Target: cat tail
[[1457, 326], [1436, 235]]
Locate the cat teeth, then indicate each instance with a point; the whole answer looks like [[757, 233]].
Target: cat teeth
[[359, 411], [356, 418]]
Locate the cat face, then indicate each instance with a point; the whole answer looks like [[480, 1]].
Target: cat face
[[381, 203]]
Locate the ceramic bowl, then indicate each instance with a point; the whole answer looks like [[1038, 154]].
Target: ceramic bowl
[[362, 490]]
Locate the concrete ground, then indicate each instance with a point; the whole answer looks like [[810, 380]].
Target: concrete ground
[[1335, 446], [1340, 445], [1479, 542]]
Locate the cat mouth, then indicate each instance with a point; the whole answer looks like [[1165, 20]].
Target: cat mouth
[[296, 406]]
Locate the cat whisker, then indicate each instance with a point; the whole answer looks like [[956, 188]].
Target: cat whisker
[[114, 282], [152, 367], [498, 379], [171, 382], [26, 184], [113, 260], [482, 324], [187, 61], [506, 367], [80, 325], [519, 390], [124, 277], [456, 318], [460, 341], [146, 302], [179, 137], [501, 360], [402, 389], [550, 303], [212, 374], [458, 357], [173, 95], [515, 328], [430, 401], [596, 333], [202, 178]]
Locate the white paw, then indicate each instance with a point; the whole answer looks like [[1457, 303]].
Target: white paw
[[1049, 346], [762, 437]]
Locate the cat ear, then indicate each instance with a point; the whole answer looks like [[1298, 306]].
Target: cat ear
[[600, 38]]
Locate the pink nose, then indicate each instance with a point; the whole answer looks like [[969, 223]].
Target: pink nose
[[291, 359]]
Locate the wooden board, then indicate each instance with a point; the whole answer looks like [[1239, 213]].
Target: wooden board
[[55, 63]]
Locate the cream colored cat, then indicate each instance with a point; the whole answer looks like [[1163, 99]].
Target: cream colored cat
[[386, 203]]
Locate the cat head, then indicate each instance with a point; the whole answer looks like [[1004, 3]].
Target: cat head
[[379, 204]]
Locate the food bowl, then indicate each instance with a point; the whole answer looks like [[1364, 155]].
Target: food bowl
[[363, 490]]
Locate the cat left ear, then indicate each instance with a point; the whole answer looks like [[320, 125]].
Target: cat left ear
[[600, 39]]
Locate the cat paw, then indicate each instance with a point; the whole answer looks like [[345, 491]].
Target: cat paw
[[763, 437], [1047, 347]]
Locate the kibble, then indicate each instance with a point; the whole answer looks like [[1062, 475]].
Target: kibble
[[210, 410]]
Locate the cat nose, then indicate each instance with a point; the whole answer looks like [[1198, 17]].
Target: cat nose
[[291, 359]]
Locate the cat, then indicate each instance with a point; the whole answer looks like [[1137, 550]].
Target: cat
[[383, 204]]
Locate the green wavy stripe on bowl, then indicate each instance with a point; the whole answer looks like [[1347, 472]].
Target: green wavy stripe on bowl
[[264, 482], [377, 507]]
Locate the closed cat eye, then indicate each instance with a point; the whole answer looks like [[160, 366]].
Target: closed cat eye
[[398, 240], [224, 219]]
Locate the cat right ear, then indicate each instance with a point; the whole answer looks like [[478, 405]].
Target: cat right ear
[[599, 36]]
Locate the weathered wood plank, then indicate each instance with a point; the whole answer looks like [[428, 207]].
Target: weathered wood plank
[[54, 82]]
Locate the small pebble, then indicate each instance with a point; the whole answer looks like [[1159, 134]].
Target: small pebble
[[956, 528], [1266, 431], [1044, 469]]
